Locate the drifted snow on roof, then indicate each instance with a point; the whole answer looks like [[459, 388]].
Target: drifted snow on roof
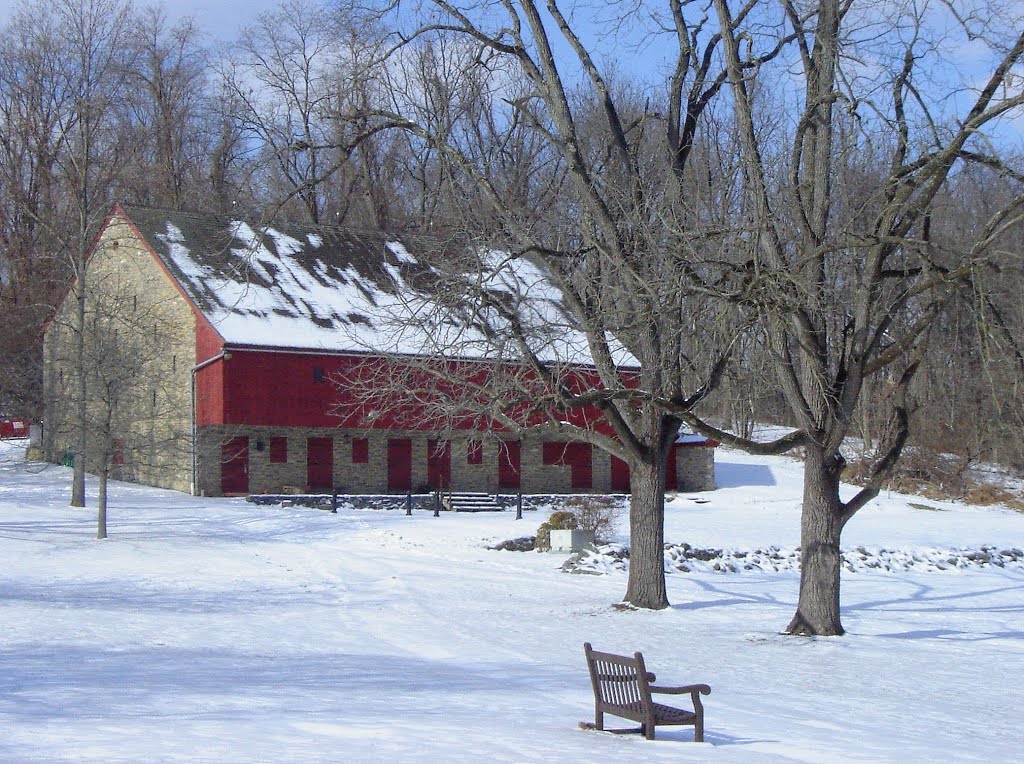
[[338, 290]]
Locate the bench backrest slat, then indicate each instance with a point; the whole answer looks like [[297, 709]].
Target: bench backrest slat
[[618, 680]]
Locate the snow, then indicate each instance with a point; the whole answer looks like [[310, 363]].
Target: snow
[[215, 629], [295, 293], [401, 253]]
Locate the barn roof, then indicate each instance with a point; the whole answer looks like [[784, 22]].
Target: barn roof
[[337, 289]]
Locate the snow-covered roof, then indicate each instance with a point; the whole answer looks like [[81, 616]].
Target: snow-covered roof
[[343, 290]]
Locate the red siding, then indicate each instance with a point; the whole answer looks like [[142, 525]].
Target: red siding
[[208, 341], [280, 389], [209, 379]]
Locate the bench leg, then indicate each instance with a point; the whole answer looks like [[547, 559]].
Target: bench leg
[[599, 719], [698, 730]]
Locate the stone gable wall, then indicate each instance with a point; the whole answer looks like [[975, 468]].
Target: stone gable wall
[[142, 330]]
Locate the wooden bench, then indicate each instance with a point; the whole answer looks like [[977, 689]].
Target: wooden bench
[[623, 687]]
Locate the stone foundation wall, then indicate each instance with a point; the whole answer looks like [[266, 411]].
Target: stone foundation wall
[[695, 464], [695, 468]]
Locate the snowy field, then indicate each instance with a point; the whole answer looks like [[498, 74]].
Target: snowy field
[[216, 630]]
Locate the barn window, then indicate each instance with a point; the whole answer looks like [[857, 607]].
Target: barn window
[[475, 452], [278, 450], [360, 450], [318, 373]]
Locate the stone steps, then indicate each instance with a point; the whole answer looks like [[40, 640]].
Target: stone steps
[[470, 502]]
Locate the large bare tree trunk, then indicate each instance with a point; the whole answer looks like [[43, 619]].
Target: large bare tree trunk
[[646, 585], [820, 558]]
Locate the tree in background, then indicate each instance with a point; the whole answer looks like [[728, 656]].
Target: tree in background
[[33, 103], [166, 113]]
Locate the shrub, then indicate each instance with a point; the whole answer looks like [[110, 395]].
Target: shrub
[[559, 521], [595, 513]]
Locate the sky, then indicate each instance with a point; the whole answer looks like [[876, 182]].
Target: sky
[[220, 19]]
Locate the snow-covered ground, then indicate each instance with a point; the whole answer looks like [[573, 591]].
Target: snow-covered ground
[[216, 630]]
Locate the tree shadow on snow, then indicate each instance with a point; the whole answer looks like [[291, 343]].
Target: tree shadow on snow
[[741, 595], [925, 599]]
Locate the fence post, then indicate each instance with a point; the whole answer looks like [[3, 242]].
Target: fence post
[[334, 501], [519, 505], [437, 503], [408, 503]]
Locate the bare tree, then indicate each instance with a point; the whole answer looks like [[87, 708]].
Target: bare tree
[[280, 79], [844, 260], [594, 190], [167, 111], [32, 222], [70, 73], [136, 370], [92, 34], [811, 249]]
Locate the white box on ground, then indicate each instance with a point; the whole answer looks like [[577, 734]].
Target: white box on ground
[[570, 541]]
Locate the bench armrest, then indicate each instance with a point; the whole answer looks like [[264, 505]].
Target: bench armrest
[[693, 689]]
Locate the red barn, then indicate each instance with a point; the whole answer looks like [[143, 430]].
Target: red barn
[[273, 321]]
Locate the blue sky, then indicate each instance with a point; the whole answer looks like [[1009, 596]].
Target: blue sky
[[220, 19]]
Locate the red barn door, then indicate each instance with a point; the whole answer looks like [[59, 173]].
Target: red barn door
[[508, 465], [671, 480], [400, 465], [234, 466], [320, 464], [439, 464], [620, 476]]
